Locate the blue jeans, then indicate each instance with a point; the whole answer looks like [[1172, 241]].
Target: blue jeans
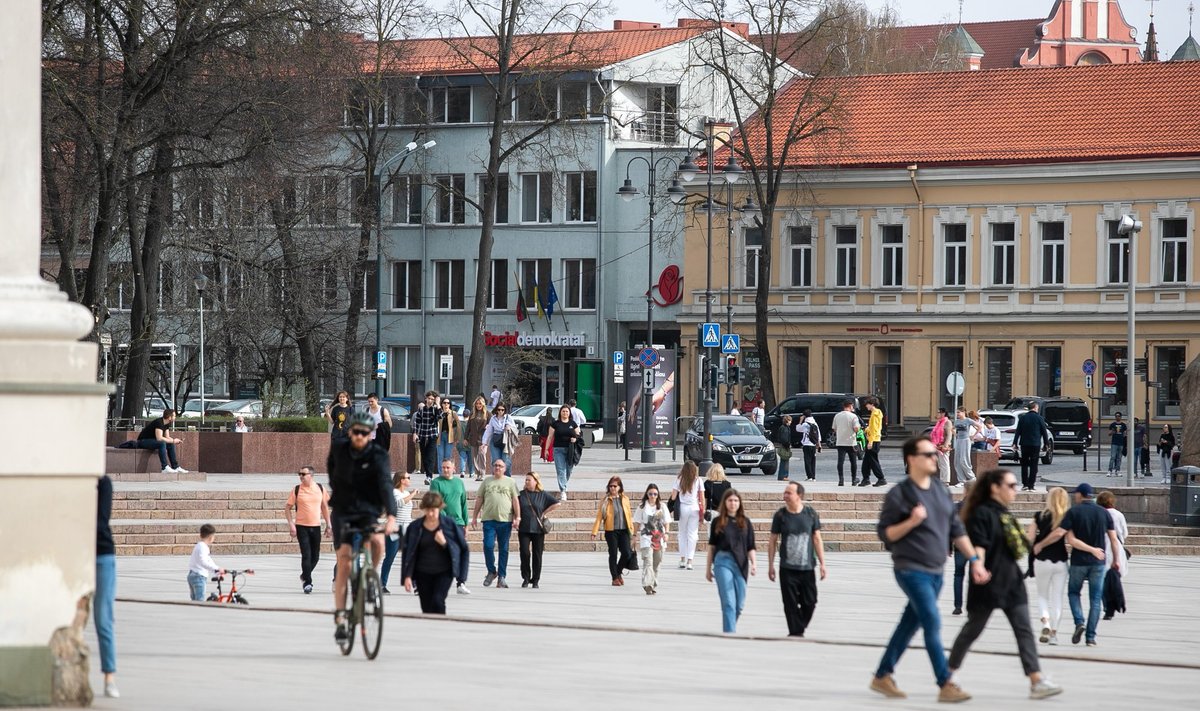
[[496, 532], [445, 450], [390, 549], [784, 468], [731, 588], [1094, 575], [922, 590], [562, 467], [1114, 458], [498, 454], [166, 451], [466, 463], [106, 592], [196, 584]]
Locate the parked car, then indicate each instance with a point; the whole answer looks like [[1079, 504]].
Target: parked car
[[1068, 418], [234, 408], [191, 408], [1006, 422], [824, 406], [527, 417], [153, 407], [399, 412], [738, 445]]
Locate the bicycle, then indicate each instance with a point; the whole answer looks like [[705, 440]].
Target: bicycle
[[233, 596], [366, 595]]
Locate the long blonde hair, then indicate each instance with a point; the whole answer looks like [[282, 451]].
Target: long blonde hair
[[687, 476], [716, 473], [1056, 505]]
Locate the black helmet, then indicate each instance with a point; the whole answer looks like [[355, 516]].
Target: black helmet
[[363, 419]]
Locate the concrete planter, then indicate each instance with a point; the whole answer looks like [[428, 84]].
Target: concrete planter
[[188, 453], [276, 452]]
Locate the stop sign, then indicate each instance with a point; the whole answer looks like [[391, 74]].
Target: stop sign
[[1110, 379]]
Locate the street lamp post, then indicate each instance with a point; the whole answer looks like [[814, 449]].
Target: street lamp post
[[409, 149], [628, 192], [201, 283], [1130, 227]]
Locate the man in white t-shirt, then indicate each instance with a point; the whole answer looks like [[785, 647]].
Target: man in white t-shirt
[[845, 427], [576, 413], [759, 413], [494, 397]]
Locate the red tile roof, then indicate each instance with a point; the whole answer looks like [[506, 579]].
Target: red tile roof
[[1003, 116], [1002, 42], [550, 51]]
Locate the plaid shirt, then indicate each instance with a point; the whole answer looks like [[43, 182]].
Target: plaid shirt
[[424, 422]]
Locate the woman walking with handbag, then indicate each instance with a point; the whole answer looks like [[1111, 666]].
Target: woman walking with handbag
[[1050, 563], [998, 539], [565, 432], [435, 553], [731, 557], [653, 521], [474, 458], [404, 507], [782, 438], [614, 515], [689, 502], [536, 505], [495, 435], [449, 430]]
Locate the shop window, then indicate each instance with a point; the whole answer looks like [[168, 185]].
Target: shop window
[[999, 375], [841, 369], [796, 369], [1170, 362]]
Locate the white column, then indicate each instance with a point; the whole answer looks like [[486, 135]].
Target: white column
[[47, 484]]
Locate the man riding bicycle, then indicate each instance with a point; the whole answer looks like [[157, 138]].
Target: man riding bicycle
[[360, 492]]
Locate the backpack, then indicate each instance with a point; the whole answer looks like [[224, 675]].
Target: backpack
[[296, 492], [910, 497]]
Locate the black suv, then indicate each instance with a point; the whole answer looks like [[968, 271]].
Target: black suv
[[1068, 418], [823, 405]]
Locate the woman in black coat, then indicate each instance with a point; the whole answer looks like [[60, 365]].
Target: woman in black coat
[[435, 554]]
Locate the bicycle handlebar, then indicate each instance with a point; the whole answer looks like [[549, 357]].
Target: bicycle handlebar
[[234, 573]]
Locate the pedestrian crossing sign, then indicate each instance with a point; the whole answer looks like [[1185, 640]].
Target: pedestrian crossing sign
[[731, 344], [710, 335]]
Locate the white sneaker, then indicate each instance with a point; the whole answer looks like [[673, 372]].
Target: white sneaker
[[1044, 689], [110, 690], [180, 470], [462, 590], [168, 470], [562, 496]]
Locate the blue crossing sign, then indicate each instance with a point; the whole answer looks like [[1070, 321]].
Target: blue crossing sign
[[710, 335], [731, 344]]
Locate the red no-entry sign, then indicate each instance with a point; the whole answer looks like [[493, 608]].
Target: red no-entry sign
[[1110, 379]]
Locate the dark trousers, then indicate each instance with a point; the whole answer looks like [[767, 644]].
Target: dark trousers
[[1018, 619], [871, 463], [960, 574], [810, 462], [309, 538], [432, 591], [166, 451], [390, 549], [1029, 465], [844, 452], [620, 555], [532, 545], [429, 456], [799, 591]]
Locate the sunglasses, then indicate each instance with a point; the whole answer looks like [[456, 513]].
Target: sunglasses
[[302, 474], [360, 433]]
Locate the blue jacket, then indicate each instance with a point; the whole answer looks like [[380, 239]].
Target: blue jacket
[[456, 544], [1031, 430]]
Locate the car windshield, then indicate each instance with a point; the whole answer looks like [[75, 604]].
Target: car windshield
[[1003, 420], [528, 411], [734, 427]]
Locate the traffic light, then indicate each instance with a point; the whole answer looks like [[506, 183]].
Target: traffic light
[[733, 372]]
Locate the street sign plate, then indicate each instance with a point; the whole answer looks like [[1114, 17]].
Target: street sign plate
[[1087, 381], [446, 367], [618, 357], [648, 357], [1089, 367], [1110, 380], [731, 344], [648, 379], [1153, 384], [381, 365], [955, 383], [710, 335], [1110, 390]]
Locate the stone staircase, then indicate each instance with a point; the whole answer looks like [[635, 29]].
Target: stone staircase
[[252, 523]]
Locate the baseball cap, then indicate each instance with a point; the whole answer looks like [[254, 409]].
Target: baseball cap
[[1085, 489]]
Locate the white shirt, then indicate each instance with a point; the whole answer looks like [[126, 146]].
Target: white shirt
[[734, 411], [690, 498], [497, 425], [201, 561], [644, 514], [577, 415], [1121, 528], [810, 434], [845, 424], [759, 415], [495, 398]]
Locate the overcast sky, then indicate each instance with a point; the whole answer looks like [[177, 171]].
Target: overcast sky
[[1170, 16]]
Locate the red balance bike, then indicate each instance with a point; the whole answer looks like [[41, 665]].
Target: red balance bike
[[233, 596]]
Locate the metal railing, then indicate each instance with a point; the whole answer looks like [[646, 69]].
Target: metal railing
[[656, 127]]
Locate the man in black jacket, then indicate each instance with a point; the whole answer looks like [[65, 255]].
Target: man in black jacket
[[360, 492], [1029, 436]]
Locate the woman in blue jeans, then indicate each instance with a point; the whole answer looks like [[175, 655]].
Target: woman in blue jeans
[[494, 436], [565, 432], [731, 558], [106, 586]]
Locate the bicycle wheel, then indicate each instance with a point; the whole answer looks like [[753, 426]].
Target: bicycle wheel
[[370, 607], [347, 645]]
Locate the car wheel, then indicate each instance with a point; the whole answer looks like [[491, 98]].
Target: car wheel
[[530, 430], [769, 471], [1048, 458]]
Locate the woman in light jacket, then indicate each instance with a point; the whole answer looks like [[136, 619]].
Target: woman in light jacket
[[614, 515], [435, 554], [474, 457], [449, 430], [495, 436], [689, 496], [653, 522]]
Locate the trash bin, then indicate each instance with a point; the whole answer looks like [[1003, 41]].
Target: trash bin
[[1185, 496]]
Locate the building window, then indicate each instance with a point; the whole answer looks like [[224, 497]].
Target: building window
[[322, 200], [536, 101], [581, 196], [403, 365], [1112, 360], [448, 284], [753, 238], [120, 286], [537, 203], [535, 281], [800, 246], [660, 123], [406, 201], [1004, 253], [954, 237], [455, 387], [580, 99], [451, 205], [1054, 253], [498, 298], [1117, 254], [166, 285], [407, 105], [841, 369], [580, 280], [406, 286], [327, 277], [501, 198], [1174, 251], [796, 369], [1170, 363], [359, 204], [999, 375], [892, 239], [1048, 378], [450, 105], [950, 360], [846, 255], [198, 202]]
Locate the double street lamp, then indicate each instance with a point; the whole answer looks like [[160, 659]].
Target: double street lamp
[[409, 149], [1130, 226], [676, 194]]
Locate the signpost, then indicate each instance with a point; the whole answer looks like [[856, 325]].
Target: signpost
[[955, 385], [381, 365], [1110, 383], [731, 344], [618, 367], [710, 335]]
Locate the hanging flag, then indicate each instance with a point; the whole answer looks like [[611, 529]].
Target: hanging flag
[[522, 311], [537, 299], [551, 300]]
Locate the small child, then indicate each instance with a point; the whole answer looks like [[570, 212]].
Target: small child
[[201, 566]]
